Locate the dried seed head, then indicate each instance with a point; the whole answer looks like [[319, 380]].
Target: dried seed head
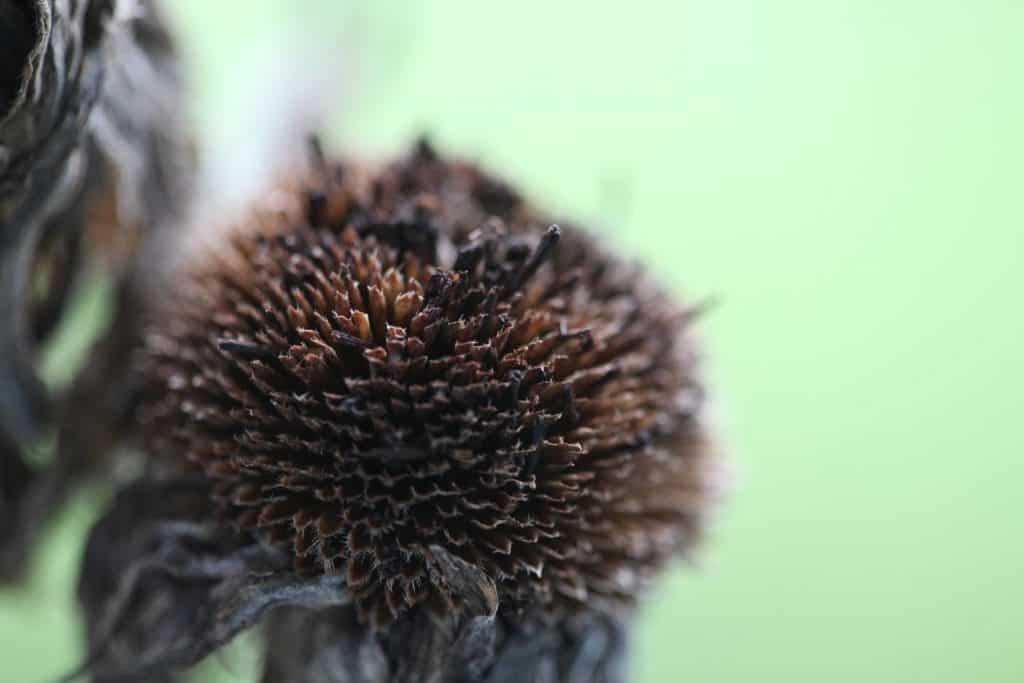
[[389, 362]]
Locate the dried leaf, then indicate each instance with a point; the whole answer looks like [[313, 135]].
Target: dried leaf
[[74, 129], [161, 587]]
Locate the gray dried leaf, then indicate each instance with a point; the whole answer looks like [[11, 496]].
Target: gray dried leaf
[[90, 106], [330, 646], [161, 588]]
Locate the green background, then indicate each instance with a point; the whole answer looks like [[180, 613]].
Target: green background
[[843, 177]]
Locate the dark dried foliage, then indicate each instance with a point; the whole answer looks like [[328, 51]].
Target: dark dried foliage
[[89, 113], [388, 361], [16, 26], [329, 646], [162, 586]]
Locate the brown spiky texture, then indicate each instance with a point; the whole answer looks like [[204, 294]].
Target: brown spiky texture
[[383, 362]]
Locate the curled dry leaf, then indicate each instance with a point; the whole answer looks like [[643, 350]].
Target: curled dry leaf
[[90, 115], [162, 587]]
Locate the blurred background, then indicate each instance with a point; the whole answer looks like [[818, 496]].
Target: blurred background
[[843, 177]]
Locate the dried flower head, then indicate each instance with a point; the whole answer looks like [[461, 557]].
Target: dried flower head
[[385, 362]]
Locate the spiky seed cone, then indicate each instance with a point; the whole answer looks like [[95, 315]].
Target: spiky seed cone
[[390, 361]]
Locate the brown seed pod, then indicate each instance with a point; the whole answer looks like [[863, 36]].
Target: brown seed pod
[[397, 360]]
